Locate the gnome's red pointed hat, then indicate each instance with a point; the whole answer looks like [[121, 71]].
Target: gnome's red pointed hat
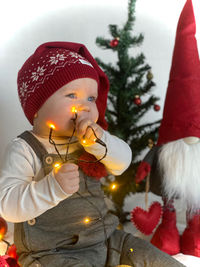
[[181, 116]]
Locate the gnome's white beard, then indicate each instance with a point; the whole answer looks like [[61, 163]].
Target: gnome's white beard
[[180, 164]]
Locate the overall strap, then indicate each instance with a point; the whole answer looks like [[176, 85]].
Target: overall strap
[[34, 143]]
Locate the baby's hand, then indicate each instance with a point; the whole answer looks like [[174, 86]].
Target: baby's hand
[[83, 130], [68, 177]]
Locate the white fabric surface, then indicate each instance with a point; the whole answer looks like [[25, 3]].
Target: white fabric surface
[[188, 260]]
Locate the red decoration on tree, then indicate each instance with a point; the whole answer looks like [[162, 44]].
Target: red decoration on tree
[[3, 227], [96, 170], [137, 100], [114, 42], [156, 107], [142, 171]]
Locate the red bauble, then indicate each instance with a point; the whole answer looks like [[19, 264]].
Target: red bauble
[[114, 42], [3, 227], [156, 107], [137, 101]]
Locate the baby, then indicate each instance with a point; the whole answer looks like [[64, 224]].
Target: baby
[[49, 186]]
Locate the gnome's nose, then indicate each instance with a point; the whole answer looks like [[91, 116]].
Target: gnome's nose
[[191, 140]]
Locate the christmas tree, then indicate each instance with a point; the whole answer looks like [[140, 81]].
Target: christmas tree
[[129, 99]]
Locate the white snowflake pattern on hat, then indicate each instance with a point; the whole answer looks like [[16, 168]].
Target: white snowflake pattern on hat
[[40, 72], [23, 89], [56, 58], [75, 55]]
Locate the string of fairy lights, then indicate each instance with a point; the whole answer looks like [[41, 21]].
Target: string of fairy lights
[[113, 186], [83, 141], [86, 220]]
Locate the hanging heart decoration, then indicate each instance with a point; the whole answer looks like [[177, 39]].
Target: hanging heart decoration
[[146, 221]]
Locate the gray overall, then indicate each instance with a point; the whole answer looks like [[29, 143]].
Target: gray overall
[[60, 238]]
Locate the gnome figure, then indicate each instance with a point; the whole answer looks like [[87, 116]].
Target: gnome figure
[[174, 163]]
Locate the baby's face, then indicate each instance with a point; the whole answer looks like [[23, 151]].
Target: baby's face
[[57, 110]]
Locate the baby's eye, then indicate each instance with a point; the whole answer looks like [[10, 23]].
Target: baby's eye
[[72, 95], [92, 98]]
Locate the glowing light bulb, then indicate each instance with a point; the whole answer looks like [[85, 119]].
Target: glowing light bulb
[[57, 165], [51, 125], [113, 186], [84, 142], [131, 249], [87, 220], [87, 143], [74, 110]]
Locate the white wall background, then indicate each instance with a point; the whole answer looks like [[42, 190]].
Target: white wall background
[[27, 24]]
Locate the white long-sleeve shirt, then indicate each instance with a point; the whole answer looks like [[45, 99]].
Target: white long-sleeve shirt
[[26, 193]]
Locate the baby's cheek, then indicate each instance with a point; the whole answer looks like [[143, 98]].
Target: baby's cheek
[[91, 116], [96, 119], [95, 115]]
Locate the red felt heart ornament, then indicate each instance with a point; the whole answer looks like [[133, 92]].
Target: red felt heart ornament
[[146, 221]]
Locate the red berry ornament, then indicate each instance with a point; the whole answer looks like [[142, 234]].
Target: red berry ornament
[[156, 107], [3, 227], [114, 42], [12, 252], [137, 100]]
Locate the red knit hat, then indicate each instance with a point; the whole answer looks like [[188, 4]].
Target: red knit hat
[[181, 117], [53, 65]]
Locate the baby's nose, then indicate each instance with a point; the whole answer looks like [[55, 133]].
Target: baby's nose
[[84, 108]]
